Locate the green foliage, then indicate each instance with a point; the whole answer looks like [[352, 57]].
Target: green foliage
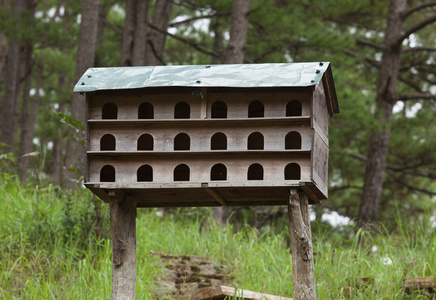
[[50, 250], [279, 31]]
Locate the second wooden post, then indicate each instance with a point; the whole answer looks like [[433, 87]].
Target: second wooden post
[[123, 227], [303, 273]]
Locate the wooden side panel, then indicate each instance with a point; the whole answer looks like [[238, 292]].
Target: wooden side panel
[[320, 121], [320, 155], [87, 136]]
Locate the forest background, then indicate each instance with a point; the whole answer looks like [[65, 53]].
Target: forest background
[[382, 53], [382, 144]]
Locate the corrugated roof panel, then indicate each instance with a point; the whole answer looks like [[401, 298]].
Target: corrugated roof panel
[[242, 75]]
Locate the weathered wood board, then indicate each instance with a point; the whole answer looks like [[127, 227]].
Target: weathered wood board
[[320, 121], [222, 291], [164, 101], [200, 133], [319, 162], [420, 283], [195, 195]]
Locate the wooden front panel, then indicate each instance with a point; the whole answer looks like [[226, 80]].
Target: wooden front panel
[[274, 102], [278, 157], [200, 134], [201, 165], [128, 105]]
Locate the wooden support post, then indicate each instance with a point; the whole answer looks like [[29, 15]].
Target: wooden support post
[[123, 227], [303, 273]]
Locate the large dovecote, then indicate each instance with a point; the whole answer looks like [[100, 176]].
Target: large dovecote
[[209, 135]]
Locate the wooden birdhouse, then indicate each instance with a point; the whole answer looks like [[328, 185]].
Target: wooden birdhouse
[[208, 135]]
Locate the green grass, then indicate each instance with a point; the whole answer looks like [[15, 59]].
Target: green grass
[[49, 250]]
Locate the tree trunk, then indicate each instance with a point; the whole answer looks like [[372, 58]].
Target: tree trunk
[[28, 115], [128, 33], [156, 40], [386, 99], [103, 10], [134, 33], [303, 271], [216, 27], [9, 120], [57, 163], [4, 6], [238, 32], [59, 144], [220, 214], [140, 36], [75, 156], [123, 227]]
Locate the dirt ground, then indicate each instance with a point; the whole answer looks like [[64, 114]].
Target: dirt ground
[[185, 274]]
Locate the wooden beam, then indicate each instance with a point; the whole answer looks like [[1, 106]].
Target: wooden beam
[[303, 272], [217, 196], [222, 291], [123, 227], [306, 188], [420, 283]]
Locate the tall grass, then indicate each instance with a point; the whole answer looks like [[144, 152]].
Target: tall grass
[[50, 250]]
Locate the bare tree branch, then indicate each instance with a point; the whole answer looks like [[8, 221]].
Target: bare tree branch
[[423, 48], [350, 154], [186, 41], [345, 187], [153, 49], [263, 55], [113, 26], [410, 84], [369, 60], [390, 167], [415, 28], [389, 172], [188, 20], [416, 8], [410, 186], [369, 44], [406, 97]]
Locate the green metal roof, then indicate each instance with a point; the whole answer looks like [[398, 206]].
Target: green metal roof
[[237, 75]]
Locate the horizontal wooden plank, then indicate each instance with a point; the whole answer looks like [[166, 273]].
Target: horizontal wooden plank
[[222, 291], [195, 122], [201, 136], [181, 185], [200, 169], [237, 102], [189, 195], [215, 153], [419, 283]]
